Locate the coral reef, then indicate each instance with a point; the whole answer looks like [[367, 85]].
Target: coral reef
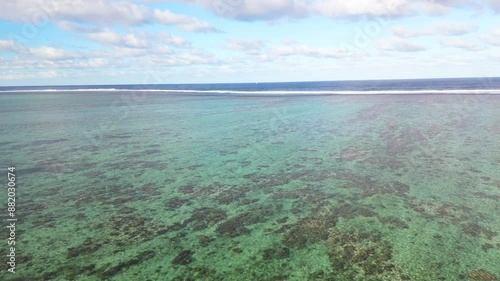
[[403, 140], [317, 227], [187, 189], [89, 246], [370, 186], [475, 229], [393, 222], [268, 180], [204, 240], [183, 258], [353, 154], [236, 226], [361, 256], [202, 218], [314, 228], [482, 275], [129, 228], [114, 270], [175, 203], [199, 273], [276, 253], [115, 194], [230, 196], [386, 162], [342, 192]]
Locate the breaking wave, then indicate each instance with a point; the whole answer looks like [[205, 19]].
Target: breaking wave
[[274, 92]]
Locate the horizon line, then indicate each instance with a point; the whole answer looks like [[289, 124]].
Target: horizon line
[[257, 82]]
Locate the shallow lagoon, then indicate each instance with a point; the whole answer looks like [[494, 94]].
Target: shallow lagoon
[[149, 186]]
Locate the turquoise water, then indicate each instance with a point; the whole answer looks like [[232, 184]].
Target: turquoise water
[[145, 186]]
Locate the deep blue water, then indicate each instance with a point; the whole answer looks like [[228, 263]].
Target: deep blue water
[[486, 83]]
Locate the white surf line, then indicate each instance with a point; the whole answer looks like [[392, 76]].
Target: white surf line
[[277, 92]]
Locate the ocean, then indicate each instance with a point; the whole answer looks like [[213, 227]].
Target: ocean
[[338, 180]]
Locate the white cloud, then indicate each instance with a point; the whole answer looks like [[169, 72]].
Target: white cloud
[[136, 39], [247, 46], [275, 9], [443, 28], [261, 51], [183, 59], [406, 33], [183, 22], [399, 45], [50, 53], [461, 44], [492, 38], [97, 12], [115, 25], [125, 52], [167, 38], [309, 51], [254, 10], [335, 8], [60, 61], [106, 36], [139, 40], [455, 29], [494, 4], [12, 75], [6, 45], [439, 7], [76, 27]]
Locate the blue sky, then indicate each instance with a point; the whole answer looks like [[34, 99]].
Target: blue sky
[[48, 42]]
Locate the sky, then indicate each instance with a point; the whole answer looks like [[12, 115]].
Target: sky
[[79, 42]]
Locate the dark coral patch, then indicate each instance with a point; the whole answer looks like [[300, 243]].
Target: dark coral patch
[[295, 237], [204, 240], [129, 228], [89, 246], [236, 226], [114, 270], [361, 256], [227, 197], [175, 203], [475, 229], [371, 187], [44, 220], [183, 258], [314, 228], [394, 222], [276, 253], [352, 154], [403, 140], [268, 180], [116, 194], [203, 218], [482, 275], [187, 189], [317, 227], [351, 211], [47, 142]]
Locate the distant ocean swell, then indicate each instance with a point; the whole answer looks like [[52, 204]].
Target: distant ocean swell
[[455, 86], [277, 92]]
